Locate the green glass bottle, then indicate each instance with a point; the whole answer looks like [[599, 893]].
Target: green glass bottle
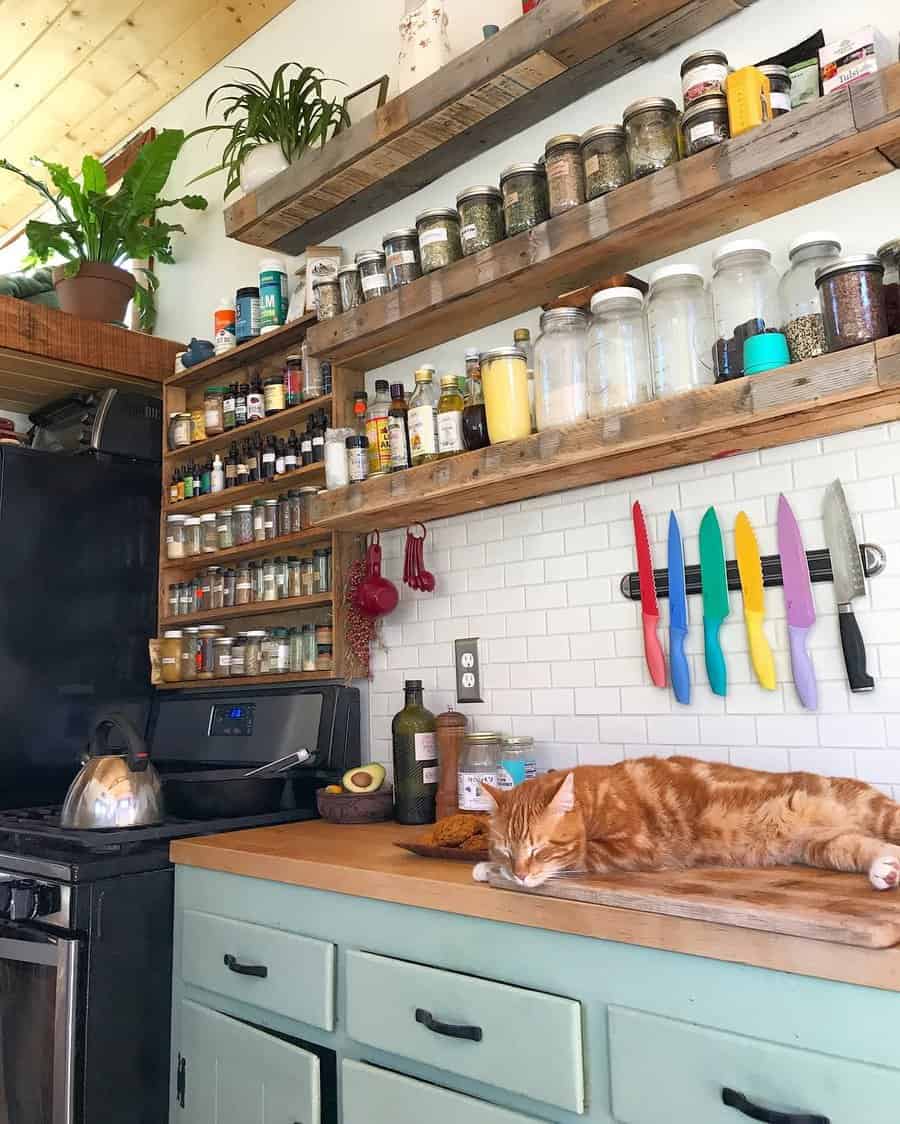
[[415, 759]]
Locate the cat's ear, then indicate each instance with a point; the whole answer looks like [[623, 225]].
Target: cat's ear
[[495, 795], [564, 800]]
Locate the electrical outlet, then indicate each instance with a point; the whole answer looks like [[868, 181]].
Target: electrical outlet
[[468, 671]]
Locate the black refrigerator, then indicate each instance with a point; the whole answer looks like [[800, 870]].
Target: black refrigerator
[[79, 549]]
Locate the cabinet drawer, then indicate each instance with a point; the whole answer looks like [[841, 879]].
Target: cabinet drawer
[[663, 1070], [377, 1096], [294, 975], [528, 1042]]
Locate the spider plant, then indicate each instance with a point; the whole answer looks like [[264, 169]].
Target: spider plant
[[290, 111]]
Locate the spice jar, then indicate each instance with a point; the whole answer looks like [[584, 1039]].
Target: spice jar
[[745, 301], [193, 543], [295, 648], [372, 274], [175, 536], [298, 509], [525, 203], [337, 469], [186, 599], [618, 360], [170, 656], [308, 576], [224, 536], [322, 561], [242, 524], [779, 88], [270, 591], [208, 533], [357, 458], [279, 652], [207, 635], [325, 631], [253, 651], [680, 330], [284, 515], [605, 160], [312, 371], [239, 655], [309, 647], [281, 577], [804, 327], [327, 298], [259, 521], [401, 255], [190, 647], [228, 579], [213, 410], [350, 286], [273, 394], [216, 588], [504, 379], [243, 585], [480, 218], [179, 431], [889, 255], [651, 135], [292, 377], [439, 243], [702, 74], [852, 293], [222, 646], [270, 518], [295, 586], [565, 173], [560, 371], [705, 124], [324, 657], [174, 601]]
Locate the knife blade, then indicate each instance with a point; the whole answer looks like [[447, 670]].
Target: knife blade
[[656, 661], [678, 614], [849, 582], [714, 580], [750, 570], [801, 611]]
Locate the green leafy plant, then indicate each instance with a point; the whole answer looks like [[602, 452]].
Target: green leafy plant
[[290, 111], [98, 225]]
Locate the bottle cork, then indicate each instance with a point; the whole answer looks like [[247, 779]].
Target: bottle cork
[[450, 729]]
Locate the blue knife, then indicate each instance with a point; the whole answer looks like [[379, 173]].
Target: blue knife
[[678, 615]]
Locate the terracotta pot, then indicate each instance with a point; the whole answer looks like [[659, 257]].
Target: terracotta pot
[[97, 291]]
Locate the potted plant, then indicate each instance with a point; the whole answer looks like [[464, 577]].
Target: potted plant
[[97, 229], [271, 124]]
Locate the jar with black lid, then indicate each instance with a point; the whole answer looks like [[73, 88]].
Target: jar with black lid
[[480, 218], [401, 256], [439, 244], [852, 296], [779, 88], [525, 203], [565, 173], [651, 134], [706, 123], [605, 159], [372, 274], [702, 74]]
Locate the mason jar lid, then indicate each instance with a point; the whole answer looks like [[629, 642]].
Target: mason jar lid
[[472, 353], [503, 353], [715, 103], [598, 131], [773, 70], [889, 249], [403, 232], [740, 246], [699, 58], [210, 629], [270, 503], [620, 292], [520, 741], [255, 634], [225, 513], [476, 192], [215, 390], [185, 415], [573, 316], [345, 269], [814, 238], [567, 139], [845, 265], [191, 631], [177, 518], [208, 517], [364, 257], [521, 169], [243, 507], [192, 521], [479, 737], [643, 104], [664, 273], [449, 213], [223, 641], [172, 634], [318, 282]]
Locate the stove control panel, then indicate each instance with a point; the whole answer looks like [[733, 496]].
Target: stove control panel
[[231, 720], [28, 899]]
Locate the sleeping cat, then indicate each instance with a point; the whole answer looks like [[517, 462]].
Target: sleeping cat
[[668, 813]]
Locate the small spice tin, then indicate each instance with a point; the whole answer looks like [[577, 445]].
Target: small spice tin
[[702, 74], [439, 242], [525, 203], [351, 288], [852, 294], [706, 123], [480, 217], [651, 135], [605, 160], [372, 274], [779, 88], [401, 254], [565, 173]]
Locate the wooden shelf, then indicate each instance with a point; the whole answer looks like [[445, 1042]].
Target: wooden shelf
[[245, 493], [836, 142], [254, 609], [532, 68], [832, 394], [251, 550], [238, 682]]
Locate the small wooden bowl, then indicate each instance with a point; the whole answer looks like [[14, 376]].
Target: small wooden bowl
[[356, 807]]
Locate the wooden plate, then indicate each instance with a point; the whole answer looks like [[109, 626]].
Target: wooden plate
[[456, 853]]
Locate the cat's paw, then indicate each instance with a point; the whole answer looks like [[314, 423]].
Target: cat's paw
[[481, 871], [884, 873]]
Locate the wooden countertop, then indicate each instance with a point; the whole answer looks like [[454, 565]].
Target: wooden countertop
[[363, 861]]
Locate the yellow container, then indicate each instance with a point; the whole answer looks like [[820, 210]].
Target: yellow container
[[170, 649], [749, 100], [504, 378]]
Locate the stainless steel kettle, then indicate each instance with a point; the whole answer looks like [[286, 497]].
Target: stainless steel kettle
[[114, 790]]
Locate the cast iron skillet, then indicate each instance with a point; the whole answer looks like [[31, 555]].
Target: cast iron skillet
[[218, 793]]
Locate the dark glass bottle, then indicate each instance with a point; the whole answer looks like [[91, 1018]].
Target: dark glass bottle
[[280, 454], [318, 438], [292, 452], [306, 453], [256, 409], [231, 465], [206, 479], [173, 488], [179, 485], [474, 420], [240, 404], [187, 480], [243, 468], [269, 455], [398, 429], [195, 470], [415, 759]]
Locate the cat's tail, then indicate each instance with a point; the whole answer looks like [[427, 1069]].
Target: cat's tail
[[884, 817]]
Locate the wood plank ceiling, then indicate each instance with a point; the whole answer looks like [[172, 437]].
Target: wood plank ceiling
[[81, 75]]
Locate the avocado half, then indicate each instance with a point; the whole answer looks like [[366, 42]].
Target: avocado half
[[364, 778]]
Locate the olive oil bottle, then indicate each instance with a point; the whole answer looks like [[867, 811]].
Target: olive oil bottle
[[415, 759]]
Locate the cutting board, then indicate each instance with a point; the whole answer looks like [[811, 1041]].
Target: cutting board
[[796, 901]]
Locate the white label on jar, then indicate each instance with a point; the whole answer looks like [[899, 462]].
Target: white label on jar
[[228, 405], [421, 430], [223, 527], [780, 101], [211, 418], [268, 458], [426, 747], [319, 441], [704, 129], [374, 281], [223, 659], [708, 78], [358, 464], [244, 585], [558, 167], [169, 660], [471, 796], [511, 199], [400, 257], [169, 539], [397, 439], [469, 232], [429, 237], [592, 165], [450, 438], [431, 775], [268, 523]]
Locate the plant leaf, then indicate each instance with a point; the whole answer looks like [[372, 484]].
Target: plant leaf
[[93, 175]]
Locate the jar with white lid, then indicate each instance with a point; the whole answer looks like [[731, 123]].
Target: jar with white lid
[[745, 301], [208, 533], [193, 543], [618, 363], [560, 368], [175, 536], [680, 330], [804, 326]]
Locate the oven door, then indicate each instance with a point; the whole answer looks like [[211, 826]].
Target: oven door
[[38, 1013]]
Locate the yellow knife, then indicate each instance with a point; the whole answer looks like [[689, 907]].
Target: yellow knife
[[750, 569]]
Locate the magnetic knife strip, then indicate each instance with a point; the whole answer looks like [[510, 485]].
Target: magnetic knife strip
[[874, 560]]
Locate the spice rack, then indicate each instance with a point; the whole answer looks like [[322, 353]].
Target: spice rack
[[280, 544]]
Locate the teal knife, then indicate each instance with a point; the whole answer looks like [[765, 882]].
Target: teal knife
[[714, 580]]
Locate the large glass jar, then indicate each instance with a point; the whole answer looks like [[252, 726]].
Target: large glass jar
[[852, 292], [175, 536], [180, 431], [705, 124], [525, 204], [327, 298], [193, 543], [307, 577], [889, 255], [565, 173], [190, 647], [295, 584], [242, 524], [351, 292], [439, 243], [213, 410], [208, 633], [680, 330], [281, 577], [270, 589], [322, 562], [745, 302], [504, 379], [270, 520], [372, 274], [480, 218], [560, 368], [651, 135], [209, 533], [243, 585], [401, 255], [259, 521], [238, 655], [309, 647], [618, 357], [170, 655], [801, 306], [222, 646], [253, 651], [224, 530], [605, 160], [477, 767]]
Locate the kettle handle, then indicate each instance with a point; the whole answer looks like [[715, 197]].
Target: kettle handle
[[136, 751]]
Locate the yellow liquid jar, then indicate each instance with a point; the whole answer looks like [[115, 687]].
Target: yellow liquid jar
[[504, 379], [749, 105]]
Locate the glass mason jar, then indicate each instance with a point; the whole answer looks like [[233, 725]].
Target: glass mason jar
[[351, 289], [618, 358], [258, 579], [224, 533], [651, 135], [327, 298], [745, 302], [295, 647], [401, 255], [605, 160], [205, 590], [253, 651], [243, 585], [207, 634], [170, 655], [322, 563], [565, 173], [705, 124], [312, 367], [279, 651], [186, 599], [259, 521], [270, 589], [298, 505], [295, 585], [480, 218], [516, 762], [324, 657], [307, 577], [680, 330], [216, 588], [284, 514], [504, 379], [852, 292], [242, 524], [702, 74], [309, 647], [180, 431], [213, 410], [222, 646], [193, 542], [779, 88], [525, 203], [238, 655], [281, 577], [174, 601], [439, 243], [372, 274], [209, 532], [228, 591], [270, 519], [889, 255], [190, 646], [801, 306], [477, 766], [292, 376], [560, 368], [175, 536]]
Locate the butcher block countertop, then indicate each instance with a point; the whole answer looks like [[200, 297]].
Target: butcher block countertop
[[810, 922]]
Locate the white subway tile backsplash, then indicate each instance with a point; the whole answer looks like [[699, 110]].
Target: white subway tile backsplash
[[729, 729], [487, 577], [581, 729], [673, 729], [787, 730], [590, 645], [568, 567], [574, 673], [580, 540], [552, 647], [506, 600], [531, 675], [507, 550], [645, 700], [759, 757], [549, 595], [487, 530], [819, 471], [487, 627], [590, 591], [600, 754], [555, 701], [525, 573], [852, 729], [564, 517], [621, 728], [511, 650], [467, 557], [465, 604], [522, 525], [565, 621], [548, 545], [532, 623], [607, 509], [517, 701]]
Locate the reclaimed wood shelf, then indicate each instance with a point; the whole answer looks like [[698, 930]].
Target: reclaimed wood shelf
[[253, 609], [309, 474], [239, 682], [246, 552], [831, 394], [529, 70], [836, 142]]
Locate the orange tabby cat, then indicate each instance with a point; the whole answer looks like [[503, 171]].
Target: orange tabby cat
[[665, 813]]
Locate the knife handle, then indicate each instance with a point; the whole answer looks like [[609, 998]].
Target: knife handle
[[760, 652], [801, 665], [656, 661], [715, 658], [681, 669], [854, 651]]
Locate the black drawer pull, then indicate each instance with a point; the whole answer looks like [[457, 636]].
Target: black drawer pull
[[234, 965], [767, 1116], [449, 1030]]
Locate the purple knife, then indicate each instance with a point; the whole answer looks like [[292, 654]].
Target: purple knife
[[801, 612]]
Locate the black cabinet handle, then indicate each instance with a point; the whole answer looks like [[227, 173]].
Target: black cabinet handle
[[449, 1030], [767, 1116], [234, 965]]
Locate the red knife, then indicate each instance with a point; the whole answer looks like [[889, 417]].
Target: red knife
[[656, 661]]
